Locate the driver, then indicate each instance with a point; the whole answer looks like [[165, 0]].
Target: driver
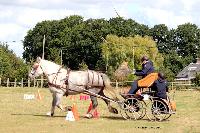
[[147, 68]]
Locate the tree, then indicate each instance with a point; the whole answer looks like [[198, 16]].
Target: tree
[[80, 41], [116, 50], [125, 28], [187, 40], [160, 34], [196, 80], [11, 66]]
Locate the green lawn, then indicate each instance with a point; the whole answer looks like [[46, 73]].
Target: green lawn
[[29, 116]]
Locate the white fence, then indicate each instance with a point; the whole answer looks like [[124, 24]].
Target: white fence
[[23, 83], [43, 83]]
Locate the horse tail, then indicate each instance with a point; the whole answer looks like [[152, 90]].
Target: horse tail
[[108, 86]]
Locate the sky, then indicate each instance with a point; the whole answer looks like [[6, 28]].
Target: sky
[[19, 16]]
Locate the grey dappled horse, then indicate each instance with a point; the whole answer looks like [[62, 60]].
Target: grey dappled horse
[[63, 82]]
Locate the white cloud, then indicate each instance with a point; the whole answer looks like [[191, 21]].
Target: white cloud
[[159, 16], [19, 16]]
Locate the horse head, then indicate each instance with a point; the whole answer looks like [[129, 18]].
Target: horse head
[[36, 69]]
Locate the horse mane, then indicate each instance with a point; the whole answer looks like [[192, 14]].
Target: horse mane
[[51, 64]]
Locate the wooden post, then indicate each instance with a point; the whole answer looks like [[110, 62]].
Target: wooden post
[[29, 83], [0, 81], [15, 83], [37, 84], [22, 83], [34, 82], [117, 84], [41, 81], [7, 82]]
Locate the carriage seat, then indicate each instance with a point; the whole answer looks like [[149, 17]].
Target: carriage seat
[[147, 81], [143, 84]]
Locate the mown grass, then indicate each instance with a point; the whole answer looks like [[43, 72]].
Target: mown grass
[[29, 116]]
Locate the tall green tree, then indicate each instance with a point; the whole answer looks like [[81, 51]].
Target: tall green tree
[[127, 27], [11, 66], [161, 35], [116, 50], [187, 40]]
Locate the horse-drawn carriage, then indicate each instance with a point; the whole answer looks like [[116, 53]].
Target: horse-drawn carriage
[[147, 103], [137, 106], [63, 82]]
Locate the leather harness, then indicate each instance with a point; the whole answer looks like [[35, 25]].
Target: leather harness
[[87, 86]]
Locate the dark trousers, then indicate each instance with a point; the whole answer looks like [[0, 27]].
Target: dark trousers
[[134, 87], [162, 95]]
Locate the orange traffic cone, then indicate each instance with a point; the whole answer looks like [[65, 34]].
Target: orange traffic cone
[[95, 114], [75, 112], [39, 97]]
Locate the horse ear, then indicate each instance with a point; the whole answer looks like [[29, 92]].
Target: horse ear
[[38, 59]]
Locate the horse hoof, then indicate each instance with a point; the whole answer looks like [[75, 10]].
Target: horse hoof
[[89, 116], [49, 114], [113, 110]]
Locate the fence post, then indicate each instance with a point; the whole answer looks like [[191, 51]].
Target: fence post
[[0, 81], [15, 83], [7, 82], [41, 81], [29, 83], [37, 84], [34, 83], [117, 84], [22, 84]]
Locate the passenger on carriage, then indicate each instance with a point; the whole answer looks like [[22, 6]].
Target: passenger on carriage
[[160, 87], [147, 68]]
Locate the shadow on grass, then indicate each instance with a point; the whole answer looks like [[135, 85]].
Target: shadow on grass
[[121, 118], [39, 115], [112, 117]]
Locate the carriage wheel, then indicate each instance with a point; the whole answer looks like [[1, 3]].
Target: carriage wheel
[[123, 110], [158, 110], [133, 109]]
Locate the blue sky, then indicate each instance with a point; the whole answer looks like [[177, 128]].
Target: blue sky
[[19, 16]]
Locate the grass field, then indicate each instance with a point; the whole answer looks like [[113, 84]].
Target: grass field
[[29, 116]]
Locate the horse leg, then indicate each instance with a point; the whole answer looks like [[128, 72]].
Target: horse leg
[[110, 108], [94, 106], [53, 105], [56, 102]]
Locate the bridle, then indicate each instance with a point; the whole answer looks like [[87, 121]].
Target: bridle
[[35, 67], [38, 65]]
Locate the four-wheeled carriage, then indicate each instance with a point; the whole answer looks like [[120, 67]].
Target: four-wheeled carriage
[[136, 107]]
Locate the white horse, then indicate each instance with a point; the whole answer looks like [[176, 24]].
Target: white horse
[[63, 82]]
